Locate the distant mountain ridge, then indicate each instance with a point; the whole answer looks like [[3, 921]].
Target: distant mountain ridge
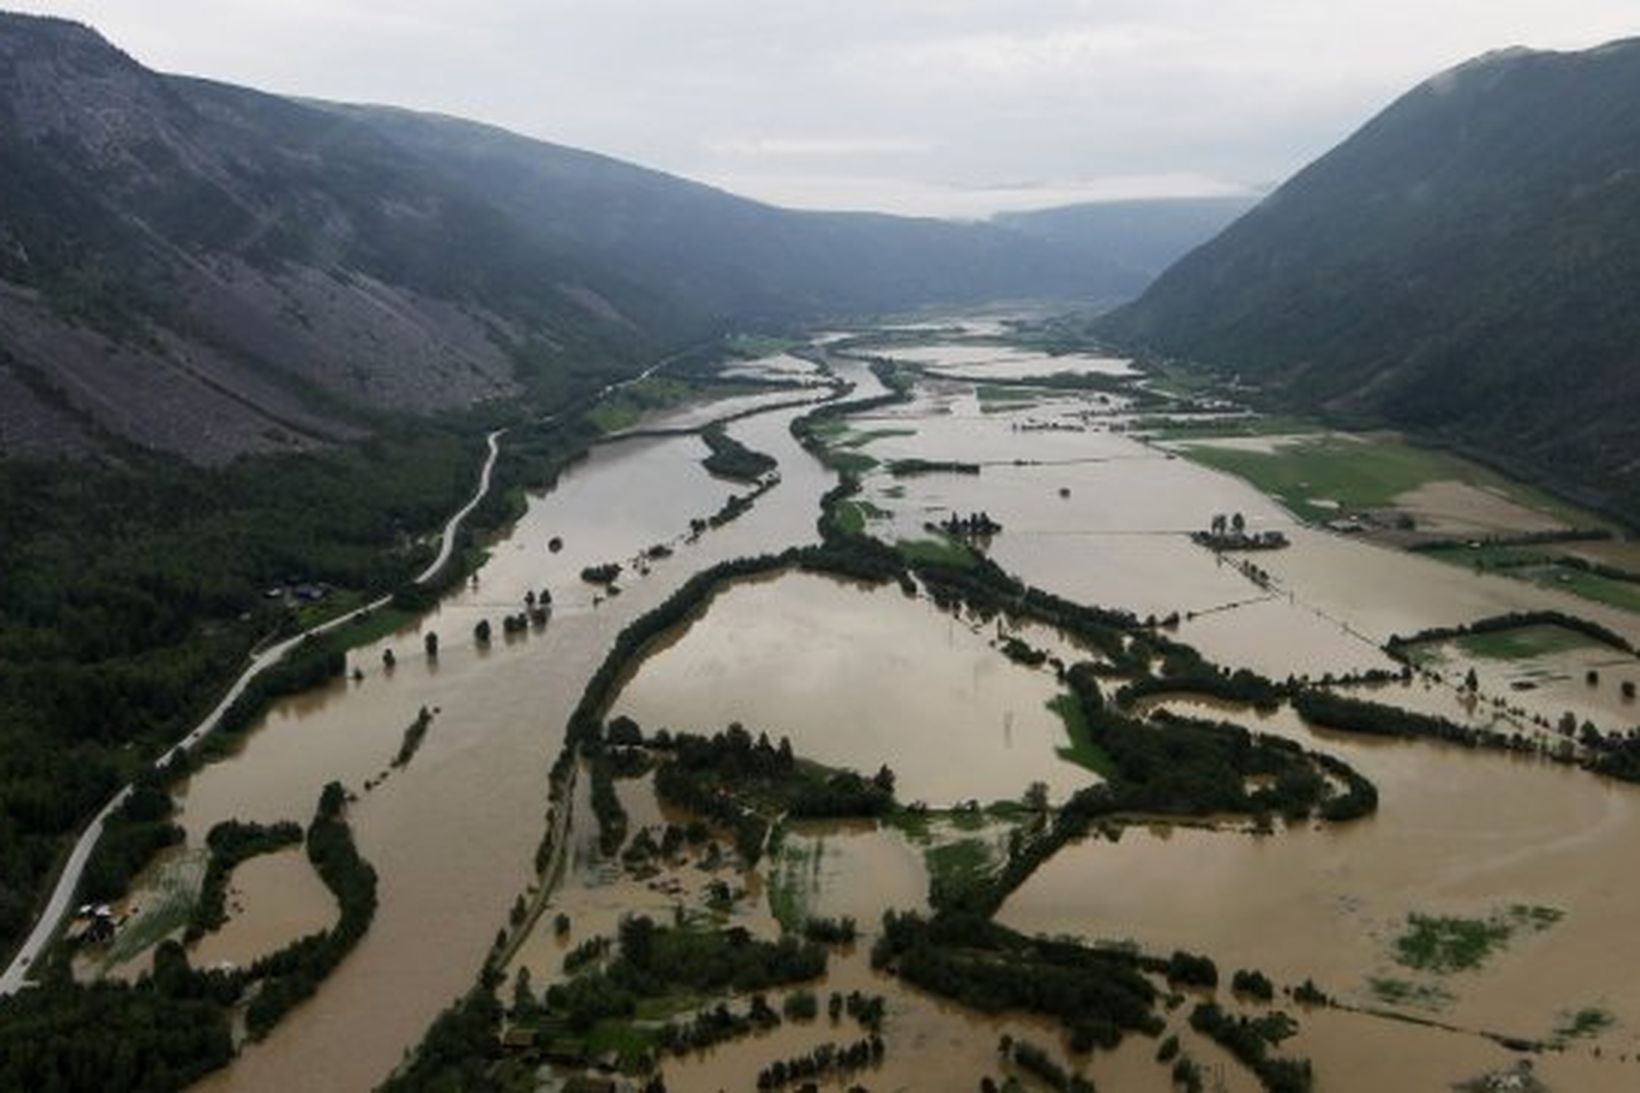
[[1141, 237], [205, 269], [1465, 266], [726, 256]]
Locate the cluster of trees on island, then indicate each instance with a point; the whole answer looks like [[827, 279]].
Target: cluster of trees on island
[[830, 931], [1252, 1040], [652, 962], [414, 735], [733, 508], [731, 459], [824, 1062], [718, 1024], [605, 574], [908, 468], [606, 803], [1040, 1064], [1098, 995], [731, 779], [976, 525], [1230, 533], [707, 1027], [537, 612]]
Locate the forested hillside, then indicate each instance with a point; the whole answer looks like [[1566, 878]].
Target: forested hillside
[[1464, 266]]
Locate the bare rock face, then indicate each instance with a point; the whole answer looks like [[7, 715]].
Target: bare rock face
[[208, 271], [64, 82], [30, 425], [84, 390], [356, 337]]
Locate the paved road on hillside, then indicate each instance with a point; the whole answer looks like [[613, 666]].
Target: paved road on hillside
[[62, 896]]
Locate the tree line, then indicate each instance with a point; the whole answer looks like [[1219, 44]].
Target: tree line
[[729, 458], [231, 843]]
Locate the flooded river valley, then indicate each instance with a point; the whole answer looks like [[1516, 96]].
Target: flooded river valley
[[862, 677]]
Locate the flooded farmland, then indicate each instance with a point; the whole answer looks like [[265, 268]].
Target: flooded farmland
[[1457, 834], [479, 781], [1007, 363], [289, 901], [924, 694], [861, 677]]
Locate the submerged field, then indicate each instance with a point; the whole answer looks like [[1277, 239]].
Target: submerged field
[[1005, 694], [1320, 476], [1447, 932]]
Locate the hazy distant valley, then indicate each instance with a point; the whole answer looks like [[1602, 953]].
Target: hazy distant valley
[[277, 271]]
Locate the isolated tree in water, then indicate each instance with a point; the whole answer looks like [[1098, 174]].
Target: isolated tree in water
[[1036, 797]]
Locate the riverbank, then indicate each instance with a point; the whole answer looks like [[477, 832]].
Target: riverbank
[[50, 919]]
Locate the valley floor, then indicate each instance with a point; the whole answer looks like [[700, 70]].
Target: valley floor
[[1472, 919]]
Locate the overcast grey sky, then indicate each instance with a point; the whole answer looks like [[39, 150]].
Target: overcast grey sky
[[941, 107]]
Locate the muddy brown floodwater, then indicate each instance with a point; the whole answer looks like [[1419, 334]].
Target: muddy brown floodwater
[[1006, 363], [701, 412], [290, 902], [781, 366], [1101, 517], [913, 688], [933, 1045], [859, 677], [856, 869], [1458, 833], [452, 835]]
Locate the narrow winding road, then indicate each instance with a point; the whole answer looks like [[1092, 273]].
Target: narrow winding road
[[45, 927], [62, 895]]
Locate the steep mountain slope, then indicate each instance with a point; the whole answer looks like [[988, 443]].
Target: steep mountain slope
[[728, 257], [1465, 266], [210, 270]]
